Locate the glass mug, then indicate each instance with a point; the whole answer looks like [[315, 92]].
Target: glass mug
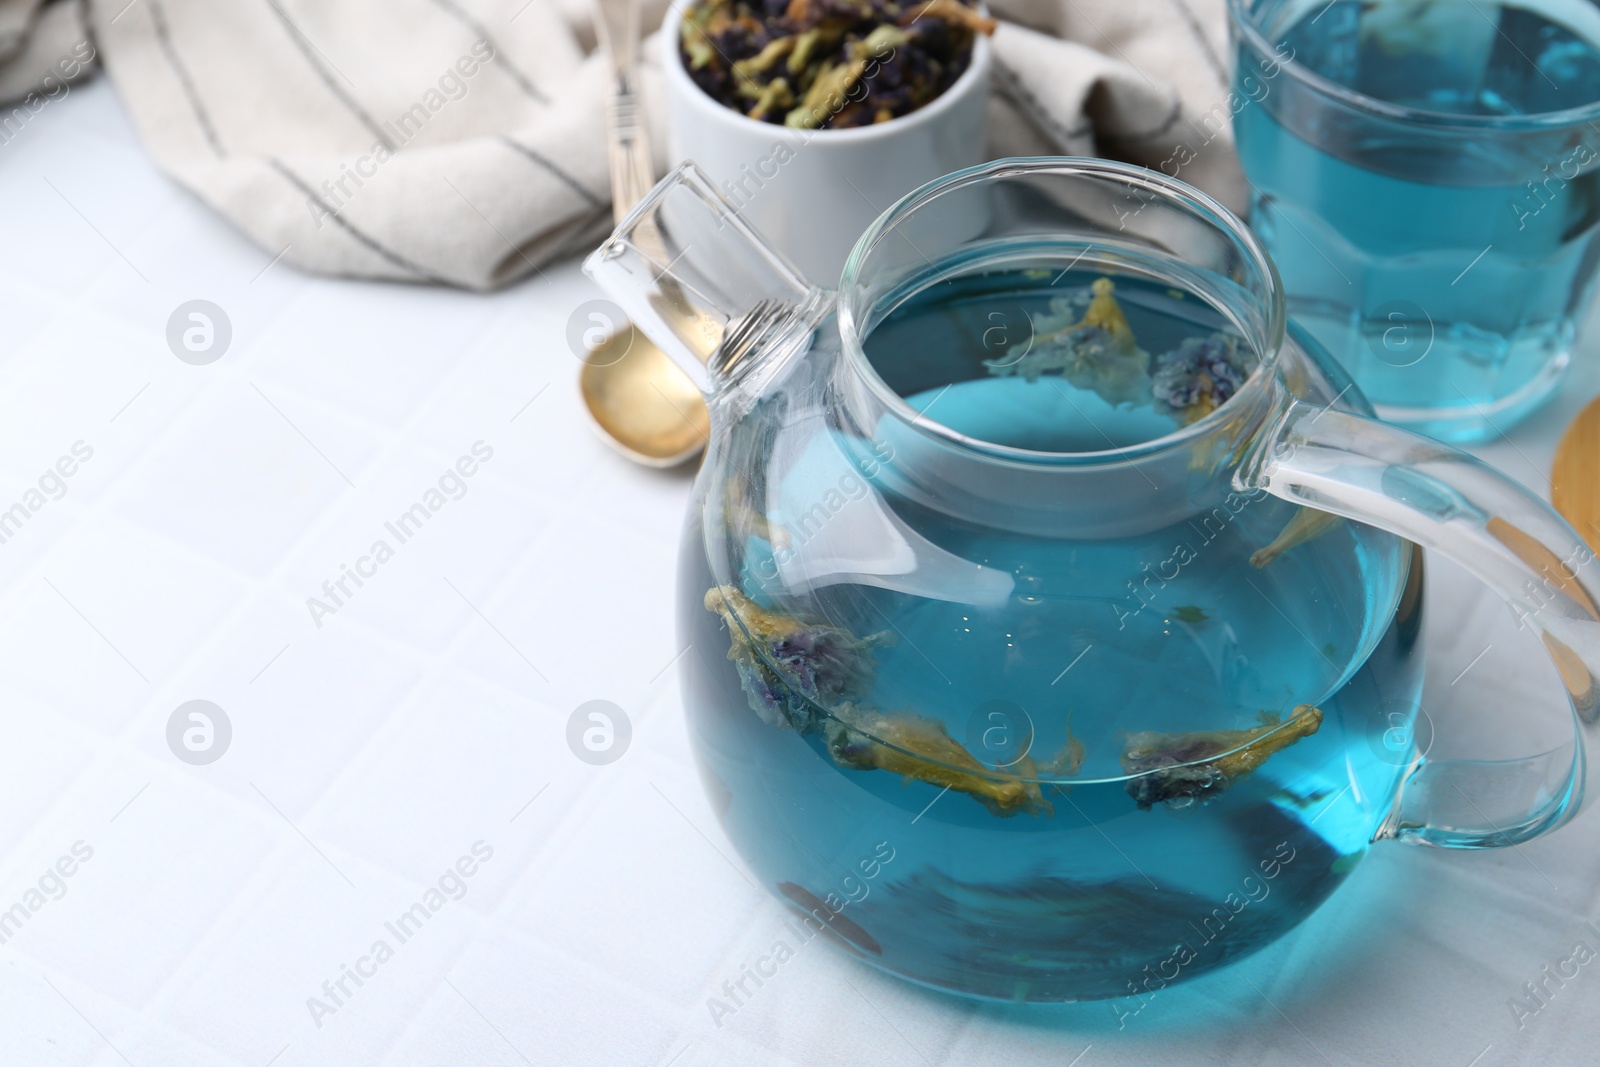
[[1424, 175], [1054, 604]]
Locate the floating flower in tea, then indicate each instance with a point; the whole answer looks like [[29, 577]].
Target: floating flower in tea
[[822, 666], [1308, 523], [1104, 313], [1180, 769], [815, 677], [1199, 376], [1097, 352], [804, 675], [921, 748], [811, 676]]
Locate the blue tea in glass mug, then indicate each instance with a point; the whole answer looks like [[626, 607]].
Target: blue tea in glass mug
[[1426, 175]]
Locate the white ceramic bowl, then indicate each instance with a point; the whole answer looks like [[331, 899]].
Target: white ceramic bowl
[[811, 193]]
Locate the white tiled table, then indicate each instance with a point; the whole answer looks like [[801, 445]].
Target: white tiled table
[[428, 713]]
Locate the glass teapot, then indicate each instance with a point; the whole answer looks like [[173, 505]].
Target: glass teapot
[[1055, 606]]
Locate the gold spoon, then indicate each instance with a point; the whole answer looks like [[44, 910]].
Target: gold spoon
[[1575, 476], [647, 408]]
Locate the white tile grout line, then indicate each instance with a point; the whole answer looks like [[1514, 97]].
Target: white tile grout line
[[303, 837], [270, 662], [86, 1021]]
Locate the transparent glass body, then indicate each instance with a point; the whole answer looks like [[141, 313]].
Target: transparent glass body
[[1424, 173], [1035, 653]]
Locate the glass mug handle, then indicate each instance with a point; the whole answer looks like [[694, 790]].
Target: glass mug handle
[[1502, 533]]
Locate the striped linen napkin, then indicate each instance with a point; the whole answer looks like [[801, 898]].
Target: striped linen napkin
[[456, 141], [463, 141], [43, 49]]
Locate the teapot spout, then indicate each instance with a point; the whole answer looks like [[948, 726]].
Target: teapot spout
[[686, 267]]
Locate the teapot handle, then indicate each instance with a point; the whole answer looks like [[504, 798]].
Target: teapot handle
[[1446, 500], [687, 268]]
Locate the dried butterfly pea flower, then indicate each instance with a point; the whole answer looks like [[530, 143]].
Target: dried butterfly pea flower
[[1097, 352], [821, 666], [843, 62], [1199, 376], [777, 96], [790, 669], [831, 87], [1181, 769], [1307, 524], [766, 59], [921, 748]]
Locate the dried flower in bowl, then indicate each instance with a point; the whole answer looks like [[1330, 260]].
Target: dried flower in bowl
[[828, 64]]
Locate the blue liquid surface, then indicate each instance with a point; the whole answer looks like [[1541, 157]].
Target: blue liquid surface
[[1094, 896], [1448, 273]]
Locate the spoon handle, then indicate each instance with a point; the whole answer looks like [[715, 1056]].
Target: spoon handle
[[632, 172]]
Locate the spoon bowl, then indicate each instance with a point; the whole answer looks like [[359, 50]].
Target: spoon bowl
[[644, 406]]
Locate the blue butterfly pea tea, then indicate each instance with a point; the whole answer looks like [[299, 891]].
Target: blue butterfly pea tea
[[1424, 174], [821, 732]]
